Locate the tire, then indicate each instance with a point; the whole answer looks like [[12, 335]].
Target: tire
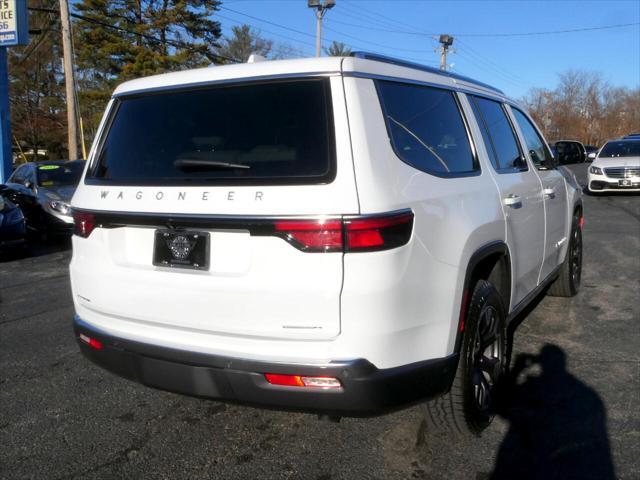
[[468, 408], [568, 282]]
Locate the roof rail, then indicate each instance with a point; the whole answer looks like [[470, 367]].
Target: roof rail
[[417, 66]]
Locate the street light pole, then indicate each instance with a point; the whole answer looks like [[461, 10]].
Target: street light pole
[[321, 7], [446, 41]]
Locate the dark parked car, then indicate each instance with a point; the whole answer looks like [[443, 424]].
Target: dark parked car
[[12, 224], [570, 151], [43, 192]]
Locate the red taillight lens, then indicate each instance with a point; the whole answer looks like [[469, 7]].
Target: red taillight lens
[[84, 223], [346, 234], [302, 381], [378, 232], [92, 342], [312, 235]]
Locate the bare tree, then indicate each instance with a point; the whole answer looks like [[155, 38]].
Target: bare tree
[[337, 49], [585, 107], [244, 41]]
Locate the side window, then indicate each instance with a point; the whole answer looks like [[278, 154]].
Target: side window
[[498, 135], [536, 146], [19, 175], [427, 129]]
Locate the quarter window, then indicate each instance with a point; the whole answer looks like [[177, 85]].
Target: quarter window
[[19, 175], [538, 151], [426, 128], [499, 138]]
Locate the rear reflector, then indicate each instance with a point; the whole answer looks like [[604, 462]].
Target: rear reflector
[[349, 234], [301, 381], [92, 342], [84, 223]]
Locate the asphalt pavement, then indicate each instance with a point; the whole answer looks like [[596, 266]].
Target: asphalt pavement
[[576, 400]]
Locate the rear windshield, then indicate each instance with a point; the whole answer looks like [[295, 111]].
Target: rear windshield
[[57, 175], [627, 148], [261, 133]]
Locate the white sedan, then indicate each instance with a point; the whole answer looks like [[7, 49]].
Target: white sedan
[[617, 167]]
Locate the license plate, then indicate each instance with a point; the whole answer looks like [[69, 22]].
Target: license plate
[[181, 249], [624, 183]]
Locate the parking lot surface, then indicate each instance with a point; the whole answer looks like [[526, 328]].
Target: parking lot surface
[[574, 408]]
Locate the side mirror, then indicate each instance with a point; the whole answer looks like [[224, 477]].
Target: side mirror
[[29, 185], [591, 157]]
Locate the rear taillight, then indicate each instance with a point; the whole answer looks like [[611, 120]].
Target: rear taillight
[[348, 234], [312, 235], [380, 232], [84, 223]]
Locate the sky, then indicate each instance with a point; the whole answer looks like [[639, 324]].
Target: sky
[[513, 63]]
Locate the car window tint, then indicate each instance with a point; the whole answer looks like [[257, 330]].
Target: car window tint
[[623, 148], [49, 175], [496, 128], [538, 151], [19, 175], [426, 128], [255, 133]]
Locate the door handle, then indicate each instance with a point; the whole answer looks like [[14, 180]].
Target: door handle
[[549, 193], [512, 200]]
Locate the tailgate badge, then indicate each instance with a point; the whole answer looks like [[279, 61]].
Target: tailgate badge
[[180, 246]]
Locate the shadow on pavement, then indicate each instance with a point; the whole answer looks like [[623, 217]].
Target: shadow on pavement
[[36, 248], [557, 424]]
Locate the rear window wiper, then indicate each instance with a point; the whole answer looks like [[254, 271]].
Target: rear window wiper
[[194, 162]]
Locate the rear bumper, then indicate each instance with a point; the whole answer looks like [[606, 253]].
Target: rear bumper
[[366, 390]]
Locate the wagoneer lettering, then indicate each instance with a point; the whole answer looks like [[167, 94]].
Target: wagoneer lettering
[[348, 237]]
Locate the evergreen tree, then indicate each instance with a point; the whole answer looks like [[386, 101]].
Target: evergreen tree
[[124, 39]]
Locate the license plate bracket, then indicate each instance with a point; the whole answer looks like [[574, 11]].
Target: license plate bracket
[[181, 249], [625, 183]]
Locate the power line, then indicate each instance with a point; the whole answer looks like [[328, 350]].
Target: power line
[[360, 47], [465, 47], [549, 32], [291, 39], [306, 34], [371, 15], [410, 50], [492, 34]]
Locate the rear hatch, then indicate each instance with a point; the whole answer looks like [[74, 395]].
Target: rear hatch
[[196, 205]]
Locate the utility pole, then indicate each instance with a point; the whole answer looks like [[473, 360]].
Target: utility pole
[[321, 7], [446, 41], [69, 81]]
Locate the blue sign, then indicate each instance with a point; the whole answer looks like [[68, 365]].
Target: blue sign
[[14, 29]]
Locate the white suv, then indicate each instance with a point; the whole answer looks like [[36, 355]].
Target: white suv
[[335, 235]]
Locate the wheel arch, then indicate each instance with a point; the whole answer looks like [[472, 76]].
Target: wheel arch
[[491, 262]]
